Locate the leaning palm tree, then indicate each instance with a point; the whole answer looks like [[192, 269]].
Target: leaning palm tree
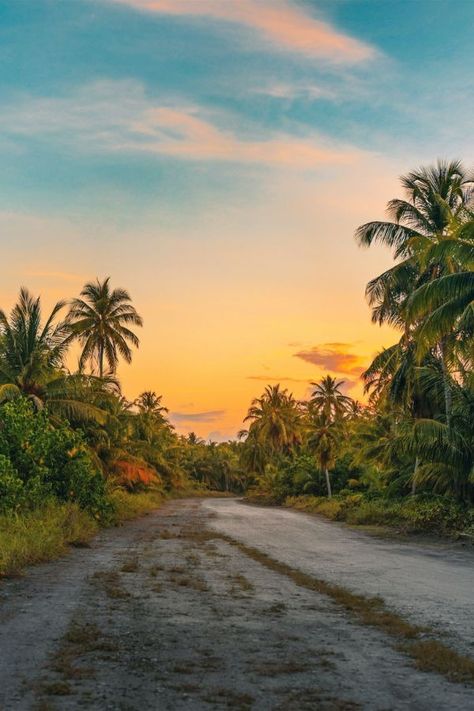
[[32, 362], [100, 322]]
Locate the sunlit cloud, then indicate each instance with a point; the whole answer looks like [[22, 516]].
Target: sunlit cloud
[[118, 117], [284, 24], [334, 357]]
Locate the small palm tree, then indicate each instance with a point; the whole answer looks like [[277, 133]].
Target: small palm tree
[[149, 403], [323, 441], [100, 322], [328, 400]]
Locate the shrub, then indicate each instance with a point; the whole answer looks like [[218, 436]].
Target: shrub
[[39, 461]]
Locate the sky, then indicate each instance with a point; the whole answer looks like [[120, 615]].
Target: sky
[[215, 157]]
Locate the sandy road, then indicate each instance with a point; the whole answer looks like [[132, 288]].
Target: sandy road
[[431, 585], [157, 615]]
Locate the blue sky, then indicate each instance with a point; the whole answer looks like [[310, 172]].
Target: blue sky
[[211, 155]]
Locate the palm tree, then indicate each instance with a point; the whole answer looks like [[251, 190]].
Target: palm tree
[[149, 403], [323, 441], [328, 400], [275, 419], [32, 362], [100, 322], [438, 199], [445, 305]]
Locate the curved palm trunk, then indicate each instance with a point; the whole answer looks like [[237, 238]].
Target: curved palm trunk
[[328, 482]]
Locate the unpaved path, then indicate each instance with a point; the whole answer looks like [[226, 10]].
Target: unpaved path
[[157, 616], [431, 585]]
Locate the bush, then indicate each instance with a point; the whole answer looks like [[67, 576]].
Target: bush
[[39, 461], [416, 514]]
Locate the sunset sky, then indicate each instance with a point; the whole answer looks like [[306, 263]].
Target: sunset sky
[[215, 157]]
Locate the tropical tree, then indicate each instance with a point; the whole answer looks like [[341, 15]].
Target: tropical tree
[[323, 441], [328, 400], [275, 419], [32, 362], [100, 320], [439, 200]]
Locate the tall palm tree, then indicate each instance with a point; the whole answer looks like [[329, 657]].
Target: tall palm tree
[[437, 198], [100, 322], [328, 400], [32, 362]]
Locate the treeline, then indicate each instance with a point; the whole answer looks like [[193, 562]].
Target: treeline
[[407, 455], [72, 437]]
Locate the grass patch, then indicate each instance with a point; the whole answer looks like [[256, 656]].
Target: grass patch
[[110, 581], [48, 532], [130, 566], [129, 506], [42, 535], [433, 656]]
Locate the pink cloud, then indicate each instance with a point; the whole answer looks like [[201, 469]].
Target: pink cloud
[[117, 116], [335, 357], [283, 23]]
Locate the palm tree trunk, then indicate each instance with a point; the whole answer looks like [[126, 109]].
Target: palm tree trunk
[[101, 361], [448, 396], [328, 482], [413, 480]]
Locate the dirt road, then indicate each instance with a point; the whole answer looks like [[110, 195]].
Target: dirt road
[[162, 615]]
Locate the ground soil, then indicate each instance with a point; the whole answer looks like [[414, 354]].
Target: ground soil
[[159, 615]]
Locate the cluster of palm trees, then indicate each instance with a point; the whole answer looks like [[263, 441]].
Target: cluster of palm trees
[[417, 431], [281, 426]]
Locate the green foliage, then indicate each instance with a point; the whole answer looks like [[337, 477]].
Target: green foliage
[[39, 460]]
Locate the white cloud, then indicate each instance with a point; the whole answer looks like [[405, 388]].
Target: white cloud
[[118, 117]]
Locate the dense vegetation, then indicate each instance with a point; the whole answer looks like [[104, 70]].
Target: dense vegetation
[[71, 443], [407, 456], [71, 446]]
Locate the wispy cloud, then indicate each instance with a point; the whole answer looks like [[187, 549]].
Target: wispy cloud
[[117, 116], [334, 357], [284, 24], [188, 417]]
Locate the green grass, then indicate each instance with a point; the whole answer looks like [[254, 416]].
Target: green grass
[[47, 533], [42, 535], [129, 506]]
